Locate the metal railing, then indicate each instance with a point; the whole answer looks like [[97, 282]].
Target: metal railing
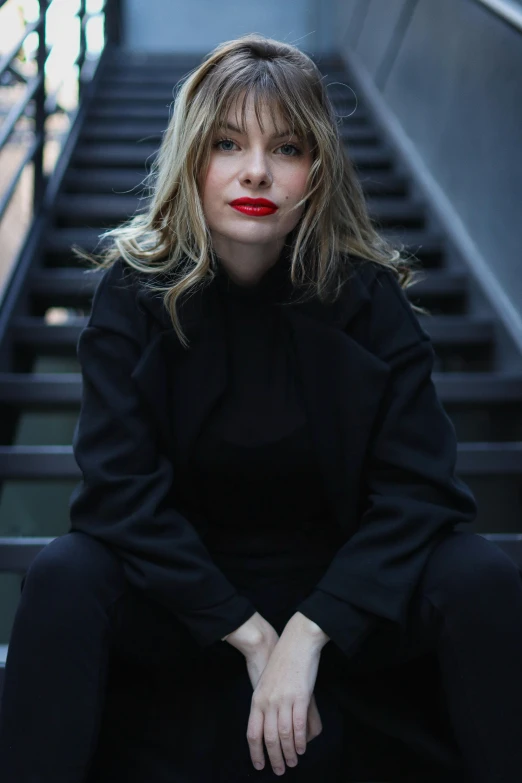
[[509, 10], [35, 104]]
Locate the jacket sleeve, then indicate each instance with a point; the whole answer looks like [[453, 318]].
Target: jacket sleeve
[[411, 494], [125, 496]]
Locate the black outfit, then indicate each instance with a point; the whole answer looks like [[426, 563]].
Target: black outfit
[[252, 485], [115, 666]]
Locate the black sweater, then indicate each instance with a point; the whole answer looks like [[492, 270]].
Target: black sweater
[[253, 487], [393, 509]]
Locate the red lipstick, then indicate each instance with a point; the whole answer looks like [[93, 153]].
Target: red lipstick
[[254, 206]]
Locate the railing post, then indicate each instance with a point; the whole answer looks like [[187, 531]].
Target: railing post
[[39, 111], [114, 22], [41, 100], [82, 48]]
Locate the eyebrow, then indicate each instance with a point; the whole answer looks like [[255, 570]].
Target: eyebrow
[[287, 132]]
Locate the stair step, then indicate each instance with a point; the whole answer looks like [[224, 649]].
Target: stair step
[[56, 284], [123, 114], [116, 181], [154, 93], [136, 130], [64, 282], [127, 110], [17, 553], [489, 459], [41, 391], [459, 329], [56, 391], [98, 209], [135, 60], [497, 387], [114, 208], [134, 155], [426, 245], [390, 212], [142, 77], [37, 333], [58, 462], [445, 329], [152, 75], [124, 111], [60, 240], [38, 463], [128, 59], [439, 282], [148, 93]]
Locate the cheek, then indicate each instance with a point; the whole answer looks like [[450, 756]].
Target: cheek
[[210, 187], [297, 182], [216, 172]]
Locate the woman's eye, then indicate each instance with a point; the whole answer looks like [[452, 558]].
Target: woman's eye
[[229, 141], [293, 147], [224, 141]]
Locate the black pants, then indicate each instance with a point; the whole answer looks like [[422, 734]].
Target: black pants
[[102, 684]]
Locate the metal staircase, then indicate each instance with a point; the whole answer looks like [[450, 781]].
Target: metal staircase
[[478, 372]]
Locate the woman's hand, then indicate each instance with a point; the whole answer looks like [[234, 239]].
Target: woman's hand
[[283, 712], [256, 640], [256, 663]]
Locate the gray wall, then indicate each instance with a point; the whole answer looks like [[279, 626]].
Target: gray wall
[[450, 73], [198, 26]]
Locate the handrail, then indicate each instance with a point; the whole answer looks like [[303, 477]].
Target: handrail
[[36, 102], [509, 10]]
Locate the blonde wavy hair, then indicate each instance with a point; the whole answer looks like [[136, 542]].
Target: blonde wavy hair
[[170, 238]]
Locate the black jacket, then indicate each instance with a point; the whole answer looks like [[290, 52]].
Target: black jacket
[[386, 447]]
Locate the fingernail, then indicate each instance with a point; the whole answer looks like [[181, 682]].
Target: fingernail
[[258, 765]]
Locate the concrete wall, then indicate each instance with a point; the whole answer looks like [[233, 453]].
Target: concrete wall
[[450, 73], [198, 26]]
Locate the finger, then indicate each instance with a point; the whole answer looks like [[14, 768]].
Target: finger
[[300, 721], [272, 742], [285, 724], [255, 736], [314, 721]]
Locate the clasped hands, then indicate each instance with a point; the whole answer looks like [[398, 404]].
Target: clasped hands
[[283, 671]]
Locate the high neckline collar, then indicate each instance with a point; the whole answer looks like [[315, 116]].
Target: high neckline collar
[[275, 285]]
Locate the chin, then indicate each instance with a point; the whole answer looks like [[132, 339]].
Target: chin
[[251, 237]]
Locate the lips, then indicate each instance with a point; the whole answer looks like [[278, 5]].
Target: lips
[[254, 206]]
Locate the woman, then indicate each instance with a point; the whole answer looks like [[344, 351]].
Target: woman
[[283, 481]]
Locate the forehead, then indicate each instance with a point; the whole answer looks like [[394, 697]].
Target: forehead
[[263, 111]]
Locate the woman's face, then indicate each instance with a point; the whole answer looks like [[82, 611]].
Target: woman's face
[[253, 165]]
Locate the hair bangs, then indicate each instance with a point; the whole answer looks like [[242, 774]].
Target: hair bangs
[[171, 238]]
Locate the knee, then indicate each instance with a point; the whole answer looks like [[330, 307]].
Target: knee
[[70, 563], [465, 566]]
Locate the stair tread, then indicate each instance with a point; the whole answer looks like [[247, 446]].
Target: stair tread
[[124, 153], [134, 91], [127, 110], [59, 388], [111, 179], [60, 239], [58, 462], [450, 329], [68, 281], [139, 129], [118, 206]]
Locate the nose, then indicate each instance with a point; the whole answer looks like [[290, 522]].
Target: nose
[[256, 170]]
